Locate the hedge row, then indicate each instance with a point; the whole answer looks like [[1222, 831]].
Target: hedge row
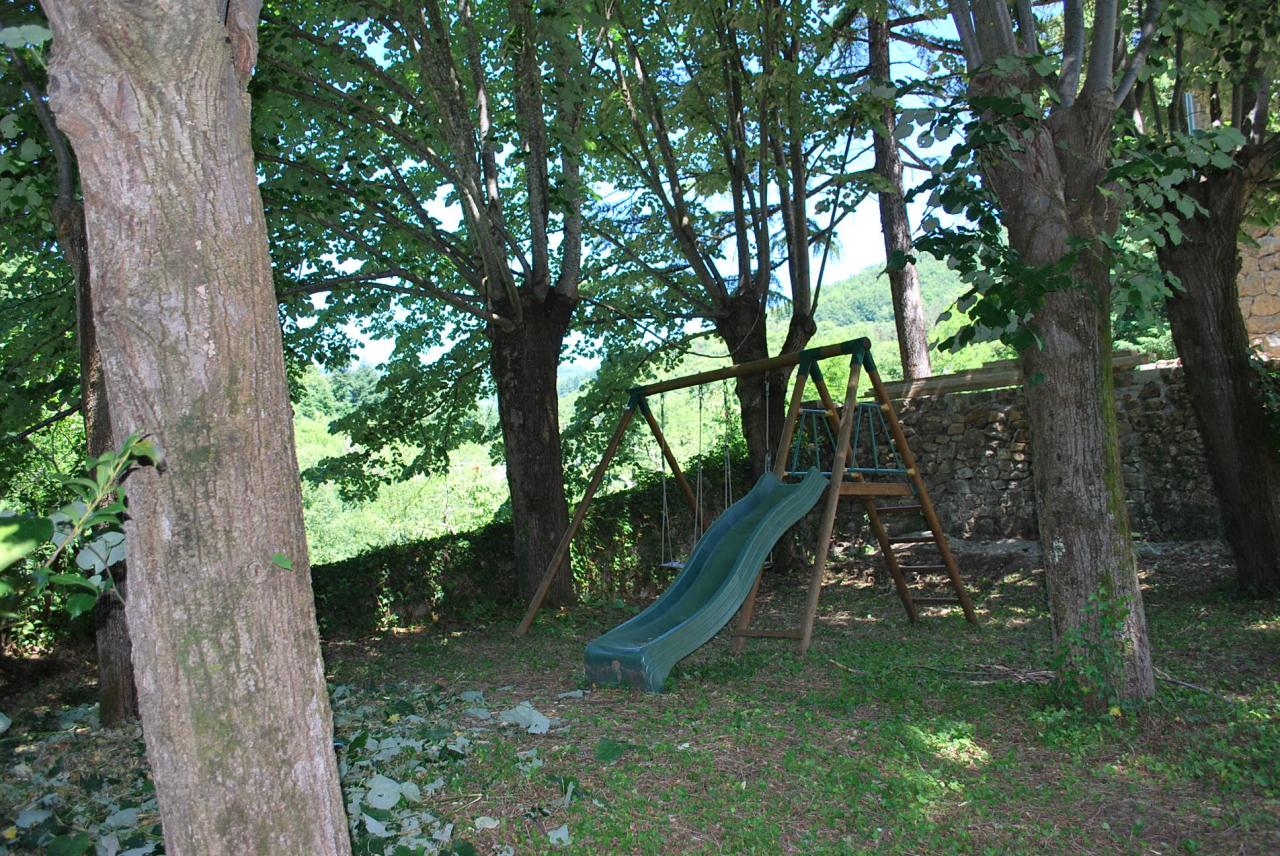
[[617, 554]]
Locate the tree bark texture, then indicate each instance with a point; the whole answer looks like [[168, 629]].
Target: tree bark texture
[[117, 692], [904, 283], [226, 651], [1226, 396], [524, 362], [1049, 193], [762, 398]]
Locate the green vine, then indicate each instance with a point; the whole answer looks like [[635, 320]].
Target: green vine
[[1090, 657]]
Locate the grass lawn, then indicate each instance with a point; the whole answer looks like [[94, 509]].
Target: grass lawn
[[886, 736]]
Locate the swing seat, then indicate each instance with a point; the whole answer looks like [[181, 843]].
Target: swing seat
[[672, 566]]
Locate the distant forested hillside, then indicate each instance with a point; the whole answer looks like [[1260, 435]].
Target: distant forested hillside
[[864, 297]]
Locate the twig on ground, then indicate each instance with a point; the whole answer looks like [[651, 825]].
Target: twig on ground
[[848, 669], [983, 674], [1165, 676]]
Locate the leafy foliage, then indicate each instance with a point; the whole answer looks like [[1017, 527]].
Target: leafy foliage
[[39, 369], [88, 528]]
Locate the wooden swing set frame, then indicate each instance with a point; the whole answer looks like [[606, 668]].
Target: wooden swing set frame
[[843, 484]]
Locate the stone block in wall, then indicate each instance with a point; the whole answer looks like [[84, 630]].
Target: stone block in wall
[[1259, 286]]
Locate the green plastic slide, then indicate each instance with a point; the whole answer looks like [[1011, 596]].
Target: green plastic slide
[[714, 583]]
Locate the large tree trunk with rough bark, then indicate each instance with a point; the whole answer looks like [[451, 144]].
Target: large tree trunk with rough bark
[[762, 398], [117, 693], [904, 282], [1226, 395], [220, 611], [524, 362], [1050, 194]]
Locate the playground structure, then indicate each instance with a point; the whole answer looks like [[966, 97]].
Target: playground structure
[[870, 462]]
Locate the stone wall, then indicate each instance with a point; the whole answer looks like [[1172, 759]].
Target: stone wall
[[976, 458], [1260, 290]]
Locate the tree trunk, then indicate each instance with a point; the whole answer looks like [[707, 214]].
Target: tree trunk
[[525, 363], [904, 283], [1049, 195], [117, 693], [220, 610], [1226, 396], [762, 398]]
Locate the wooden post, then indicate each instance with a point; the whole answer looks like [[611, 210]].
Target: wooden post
[[748, 609], [873, 516], [824, 394], [827, 527], [789, 425], [562, 549], [886, 549], [745, 615], [926, 504], [670, 457]]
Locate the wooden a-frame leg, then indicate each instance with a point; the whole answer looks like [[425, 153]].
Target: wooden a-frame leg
[[826, 527], [890, 560], [746, 613], [922, 494]]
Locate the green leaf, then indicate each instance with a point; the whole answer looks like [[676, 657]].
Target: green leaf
[[145, 450], [70, 845], [280, 560], [73, 580], [19, 536], [27, 35], [29, 150], [78, 604]]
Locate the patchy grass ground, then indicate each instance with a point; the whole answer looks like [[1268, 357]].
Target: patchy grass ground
[[888, 736]]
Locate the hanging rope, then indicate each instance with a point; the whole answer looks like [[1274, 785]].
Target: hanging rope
[[697, 516], [666, 550], [724, 441], [768, 433]]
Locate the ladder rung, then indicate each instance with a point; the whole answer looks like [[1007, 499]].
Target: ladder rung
[[898, 509], [922, 567], [912, 539], [768, 634], [932, 600]]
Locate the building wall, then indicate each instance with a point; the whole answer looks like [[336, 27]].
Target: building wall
[[976, 458], [1260, 290]]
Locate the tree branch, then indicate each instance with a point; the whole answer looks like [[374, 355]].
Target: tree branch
[[41, 425], [962, 17], [1138, 58], [1102, 47], [1072, 51]]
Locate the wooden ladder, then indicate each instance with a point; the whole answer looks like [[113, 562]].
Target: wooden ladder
[[909, 496]]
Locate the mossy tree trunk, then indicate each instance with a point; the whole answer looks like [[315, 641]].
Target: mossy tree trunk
[[226, 654], [1050, 198], [1226, 392], [524, 361], [1049, 182]]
